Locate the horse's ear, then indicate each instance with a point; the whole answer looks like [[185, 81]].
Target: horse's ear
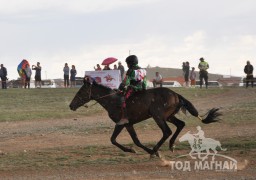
[[91, 80], [86, 79]]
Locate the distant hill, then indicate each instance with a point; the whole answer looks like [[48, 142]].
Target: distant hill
[[172, 72]]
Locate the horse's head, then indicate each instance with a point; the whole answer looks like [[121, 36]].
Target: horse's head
[[83, 95]]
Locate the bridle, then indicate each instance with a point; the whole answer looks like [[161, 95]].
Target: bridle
[[89, 92]]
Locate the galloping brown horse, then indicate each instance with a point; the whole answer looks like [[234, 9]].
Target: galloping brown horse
[[160, 103]]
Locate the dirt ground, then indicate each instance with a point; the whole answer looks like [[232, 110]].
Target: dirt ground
[[28, 136]]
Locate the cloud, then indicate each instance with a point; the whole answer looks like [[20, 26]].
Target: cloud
[[11, 7], [84, 32]]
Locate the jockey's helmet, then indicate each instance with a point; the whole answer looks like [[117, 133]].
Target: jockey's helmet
[[131, 60]]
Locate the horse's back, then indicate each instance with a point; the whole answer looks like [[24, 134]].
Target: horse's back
[[163, 98], [155, 93]]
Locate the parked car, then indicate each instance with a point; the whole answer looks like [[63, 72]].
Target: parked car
[[79, 82], [14, 84], [48, 83], [210, 84], [243, 83], [165, 84], [171, 84]]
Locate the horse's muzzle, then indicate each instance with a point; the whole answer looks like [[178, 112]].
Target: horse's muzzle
[[72, 107]]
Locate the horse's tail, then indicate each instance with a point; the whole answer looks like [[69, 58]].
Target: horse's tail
[[212, 114]]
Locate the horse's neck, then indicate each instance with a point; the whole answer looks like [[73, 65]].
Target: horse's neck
[[103, 96]]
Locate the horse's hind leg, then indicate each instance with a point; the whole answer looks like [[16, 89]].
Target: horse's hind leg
[[166, 133], [116, 132], [135, 139], [179, 124]]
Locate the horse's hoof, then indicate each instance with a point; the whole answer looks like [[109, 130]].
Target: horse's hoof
[[156, 154], [152, 156], [133, 151], [172, 148]]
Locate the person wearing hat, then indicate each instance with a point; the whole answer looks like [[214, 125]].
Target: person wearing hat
[[248, 70], [135, 80], [203, 74]]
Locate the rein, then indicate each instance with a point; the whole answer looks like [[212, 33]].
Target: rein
[[106, 95], [90, 95]]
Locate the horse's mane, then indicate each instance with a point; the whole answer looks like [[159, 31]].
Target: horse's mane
[[102, 86]]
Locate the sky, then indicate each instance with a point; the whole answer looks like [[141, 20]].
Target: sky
[[161, 33]]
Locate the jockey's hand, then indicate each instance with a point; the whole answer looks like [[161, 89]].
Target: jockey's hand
[[121, 87], [122, 93]]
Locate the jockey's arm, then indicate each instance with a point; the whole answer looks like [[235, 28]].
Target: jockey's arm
[[125, 83], [129, 76], [144, 83]]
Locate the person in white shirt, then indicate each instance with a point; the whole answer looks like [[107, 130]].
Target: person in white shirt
[[158, 80]]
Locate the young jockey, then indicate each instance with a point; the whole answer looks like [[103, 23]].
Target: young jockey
[[135, 80]]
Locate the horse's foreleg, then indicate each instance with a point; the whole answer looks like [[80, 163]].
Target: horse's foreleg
[[135, 139], [116, 132], [179, 124]]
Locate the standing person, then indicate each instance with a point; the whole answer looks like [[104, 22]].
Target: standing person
[[248, 70], [73, 76], [98, 68], [115, 67], [106, 67], [66, 75], [135, 80], [28, 73], [158, 80], [183, 68], [121, 68], [38, 69], [186, 73], [203, 74], [3, 75], [192, 78]]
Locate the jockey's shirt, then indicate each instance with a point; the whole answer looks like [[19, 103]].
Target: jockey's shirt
[[136, 78]]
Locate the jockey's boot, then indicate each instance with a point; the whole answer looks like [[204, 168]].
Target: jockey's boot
[[124, 119]]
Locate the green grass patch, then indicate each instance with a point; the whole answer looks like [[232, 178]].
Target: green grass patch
[[35, 104], [30, 104]]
